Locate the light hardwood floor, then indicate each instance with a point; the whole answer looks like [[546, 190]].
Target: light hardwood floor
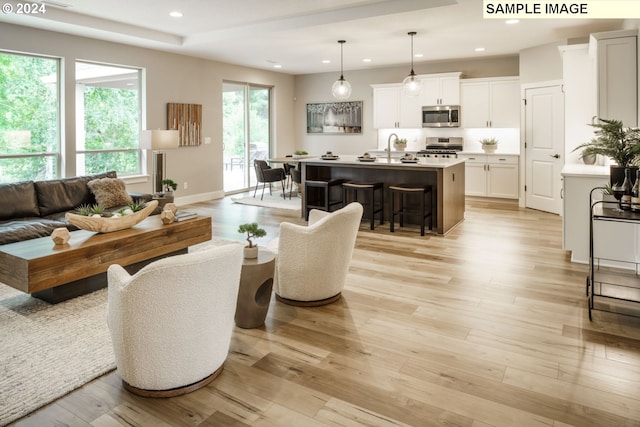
[[487, 326]]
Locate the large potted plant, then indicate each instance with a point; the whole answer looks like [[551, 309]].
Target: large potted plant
[[613, 140]]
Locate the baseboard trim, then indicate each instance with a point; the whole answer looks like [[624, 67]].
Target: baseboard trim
[[197, 198]]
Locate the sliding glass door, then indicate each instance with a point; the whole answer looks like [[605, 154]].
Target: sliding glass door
[[246, 126]]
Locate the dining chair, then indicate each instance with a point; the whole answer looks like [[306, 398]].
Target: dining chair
[[265, 174]]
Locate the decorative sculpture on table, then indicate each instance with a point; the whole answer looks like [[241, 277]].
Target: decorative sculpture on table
[[114, 222], [168, 214], [60, 236]]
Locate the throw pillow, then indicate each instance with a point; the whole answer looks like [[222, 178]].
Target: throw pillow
[[110, 192]]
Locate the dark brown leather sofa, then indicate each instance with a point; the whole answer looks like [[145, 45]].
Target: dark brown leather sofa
[[29, 209]]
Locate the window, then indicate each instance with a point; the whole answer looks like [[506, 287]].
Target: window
[[246, 127], [107, 119], [29, 117]]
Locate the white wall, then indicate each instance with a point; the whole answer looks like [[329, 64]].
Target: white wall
[[169, 78], [579, 99], [541, 63]]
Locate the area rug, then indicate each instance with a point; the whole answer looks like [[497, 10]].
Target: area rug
[[269, 201], [49, 350]]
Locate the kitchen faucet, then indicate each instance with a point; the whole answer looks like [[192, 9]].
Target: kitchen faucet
[[389, 147]]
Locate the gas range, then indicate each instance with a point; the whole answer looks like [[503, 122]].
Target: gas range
[[437, 147]]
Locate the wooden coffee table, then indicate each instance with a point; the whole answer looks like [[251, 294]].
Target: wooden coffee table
[[55, 273]]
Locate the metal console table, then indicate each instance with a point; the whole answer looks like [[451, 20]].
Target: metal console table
[[618, 283]]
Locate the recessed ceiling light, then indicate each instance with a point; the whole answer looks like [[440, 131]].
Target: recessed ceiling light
[[326, 61], [175, 14], [418, 55], [511, 21], [277, 65], [479, 49], [366, 60]]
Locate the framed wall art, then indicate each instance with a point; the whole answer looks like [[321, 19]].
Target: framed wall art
[[332, 118], [187, 119]]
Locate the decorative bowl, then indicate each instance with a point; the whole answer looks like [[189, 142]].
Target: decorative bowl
[[109, 224]]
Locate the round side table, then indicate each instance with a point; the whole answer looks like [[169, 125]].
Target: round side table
[[254, 295]]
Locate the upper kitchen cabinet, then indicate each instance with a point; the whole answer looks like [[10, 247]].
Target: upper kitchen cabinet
[[491, 102], [393, 109], [440, 89], [614, 55]]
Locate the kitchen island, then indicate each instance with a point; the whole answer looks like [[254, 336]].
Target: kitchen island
[[445, 175]]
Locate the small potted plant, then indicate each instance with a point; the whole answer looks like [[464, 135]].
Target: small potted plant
[[252, 231], [400, 144], [299, 153], [169, 185], [489, 145]]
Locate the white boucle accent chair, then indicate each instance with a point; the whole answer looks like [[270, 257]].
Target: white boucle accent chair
[[171, 322], [313, 260]]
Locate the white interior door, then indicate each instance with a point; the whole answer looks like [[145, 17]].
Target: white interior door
[[544, 147]]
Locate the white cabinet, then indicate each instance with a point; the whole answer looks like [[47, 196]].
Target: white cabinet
[[443, 89], [393, 109], [577, 183], [386, 106], [490, 102], [615, 62], [475, 175], [491, 175]]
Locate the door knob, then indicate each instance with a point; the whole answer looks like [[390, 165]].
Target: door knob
[[557, 156]]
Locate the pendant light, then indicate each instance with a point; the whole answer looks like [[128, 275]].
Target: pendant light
[[341, 88], [411, 85]]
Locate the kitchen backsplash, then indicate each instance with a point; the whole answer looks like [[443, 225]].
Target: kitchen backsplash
[[508, 138]]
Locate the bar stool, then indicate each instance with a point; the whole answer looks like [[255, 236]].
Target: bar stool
[[354, 188], [324, 202], [404, 190]]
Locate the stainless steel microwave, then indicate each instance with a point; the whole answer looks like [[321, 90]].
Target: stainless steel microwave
[[441, 116]]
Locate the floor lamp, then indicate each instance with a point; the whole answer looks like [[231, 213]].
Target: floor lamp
[[158, 141]]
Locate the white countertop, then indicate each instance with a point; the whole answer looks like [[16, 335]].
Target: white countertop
[[382, 162], [577, 169]]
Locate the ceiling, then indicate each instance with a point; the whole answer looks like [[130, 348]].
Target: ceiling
[[298, 35]]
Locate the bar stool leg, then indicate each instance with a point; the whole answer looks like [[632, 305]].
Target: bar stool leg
[[422, 214], [382, 205], [327, 198], [393, 209], [373, 209]]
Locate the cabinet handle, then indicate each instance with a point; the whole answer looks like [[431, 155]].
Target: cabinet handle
[[504, 160], [472, 158]]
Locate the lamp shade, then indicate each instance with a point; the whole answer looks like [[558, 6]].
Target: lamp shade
[[159, 140], [341, 89], [411, 85]]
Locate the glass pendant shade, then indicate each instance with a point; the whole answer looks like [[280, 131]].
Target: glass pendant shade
[[341, 89], [411, 85]]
